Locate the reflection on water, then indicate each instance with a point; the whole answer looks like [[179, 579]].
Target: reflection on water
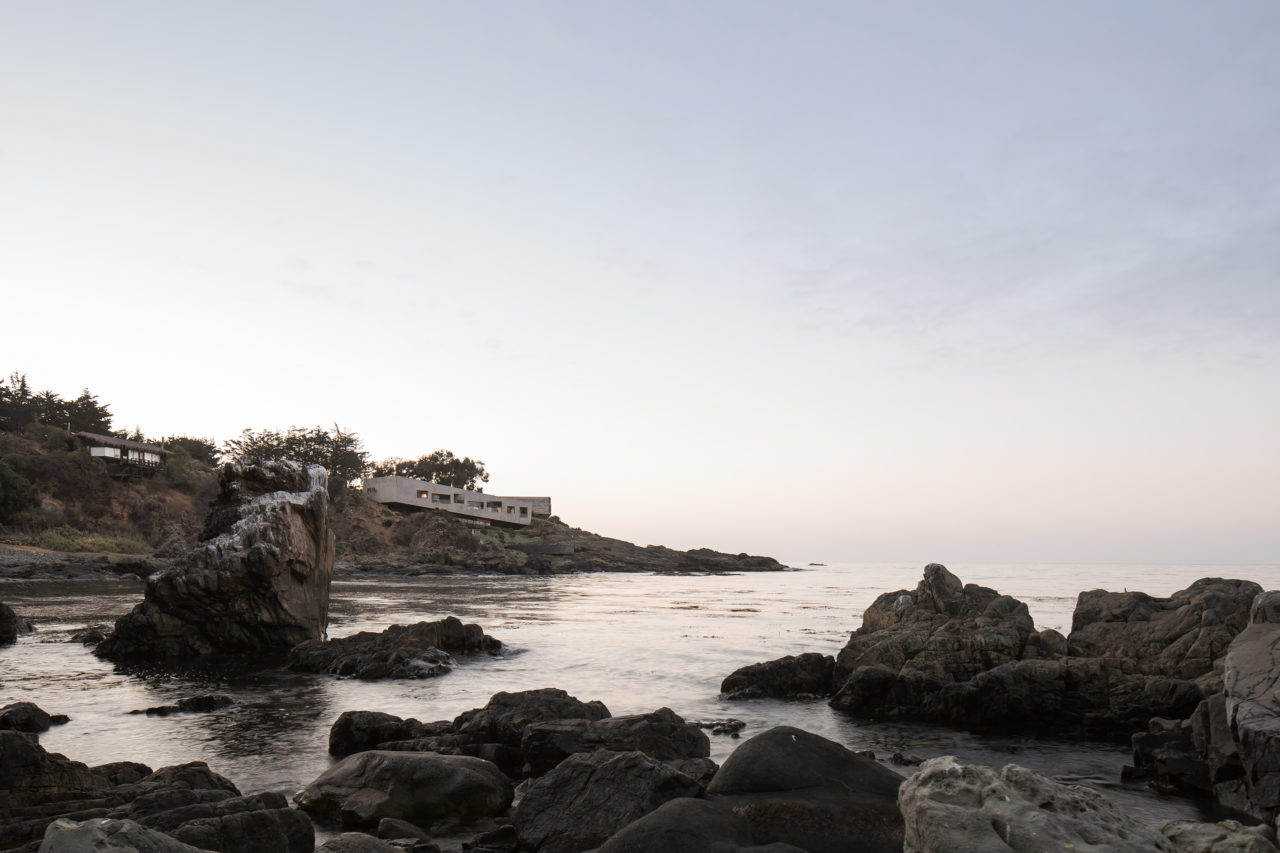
[[636, 642]]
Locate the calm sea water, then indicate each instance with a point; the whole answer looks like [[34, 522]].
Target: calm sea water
[[636, 642]]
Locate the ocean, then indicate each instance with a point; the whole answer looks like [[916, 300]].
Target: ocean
[[637, 642]]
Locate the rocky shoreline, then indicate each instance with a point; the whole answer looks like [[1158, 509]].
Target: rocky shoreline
[[541, 771]]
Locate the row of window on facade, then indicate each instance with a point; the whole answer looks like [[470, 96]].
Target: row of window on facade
[[459, 500], [137, 457]]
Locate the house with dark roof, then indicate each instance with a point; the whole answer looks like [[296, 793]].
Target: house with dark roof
[[124, 456]]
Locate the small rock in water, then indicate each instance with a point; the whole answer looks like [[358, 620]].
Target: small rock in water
[[91, 635], [29, 717], [190, 705], [904, 760], [728, 726]]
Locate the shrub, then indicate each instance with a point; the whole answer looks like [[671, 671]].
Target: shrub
[[15, 492], [70, 539]]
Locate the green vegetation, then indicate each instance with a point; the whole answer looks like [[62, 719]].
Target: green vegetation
[[341, 453], [439, 466], [20, 407], [15, 490], [66, 538], [503, 536]]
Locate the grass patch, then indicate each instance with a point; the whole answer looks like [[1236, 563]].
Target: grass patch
[[70, 539], [503, 536]]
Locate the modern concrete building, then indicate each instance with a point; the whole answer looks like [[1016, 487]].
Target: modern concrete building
[[408, 493]]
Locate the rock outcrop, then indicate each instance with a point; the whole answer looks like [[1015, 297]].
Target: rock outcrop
[[419, 787], [401, 651], [798, 788], [188, 803], [12, 625], [965, 655], [1184, 636], [948, 806], [29, 717], [258, 581], [592, 795], [792, 677], [528, 733]]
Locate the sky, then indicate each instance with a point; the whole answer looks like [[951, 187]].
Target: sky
[[859, 281]]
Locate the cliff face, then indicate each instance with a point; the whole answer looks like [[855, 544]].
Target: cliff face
[[259, 580]]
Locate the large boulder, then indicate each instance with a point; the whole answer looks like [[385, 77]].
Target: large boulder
[[966, 655], [683, 825], [28, 717], [505, 718], [798, 788], [1225, 836], [12, 625], [357, 731], [414, 786], [1252, 704], [949, 807], [1182, 636], [794, 676], [590, 796], [943, 629], [99, 834], [258, 581], [186, 802], [401, 651], [660, 734]]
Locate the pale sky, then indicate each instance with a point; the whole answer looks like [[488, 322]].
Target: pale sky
[[985, 281]]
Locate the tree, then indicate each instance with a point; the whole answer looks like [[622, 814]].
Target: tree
[[439, 466], [199, 449], [15, 492], [341, 453], [19, 408]]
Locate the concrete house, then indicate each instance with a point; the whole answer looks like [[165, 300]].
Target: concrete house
[[410, 493]]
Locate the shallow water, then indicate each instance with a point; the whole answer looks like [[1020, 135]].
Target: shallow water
[[636, 642]]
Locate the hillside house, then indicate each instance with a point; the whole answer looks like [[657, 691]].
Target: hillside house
[[123, 456], [410, 493]]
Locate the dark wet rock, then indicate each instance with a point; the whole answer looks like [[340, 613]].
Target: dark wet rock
[[414, 786], [187, 801], [505, 718], [263, 823], [1226, 836], [12, 625], [122, 772], [390, 827], [590, 796], [1252, 705], [258, 581], [798, 788], [29, 717], [92, 836], [700, 770], [190, 705], [356, 842], [795, 676], [401, 651], [948, 806], [91, 635], [357, 731], [682, 826], [965, 655], [1166, 755], [1183, 636], [943, 631], [729, 726], [660, 734]]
